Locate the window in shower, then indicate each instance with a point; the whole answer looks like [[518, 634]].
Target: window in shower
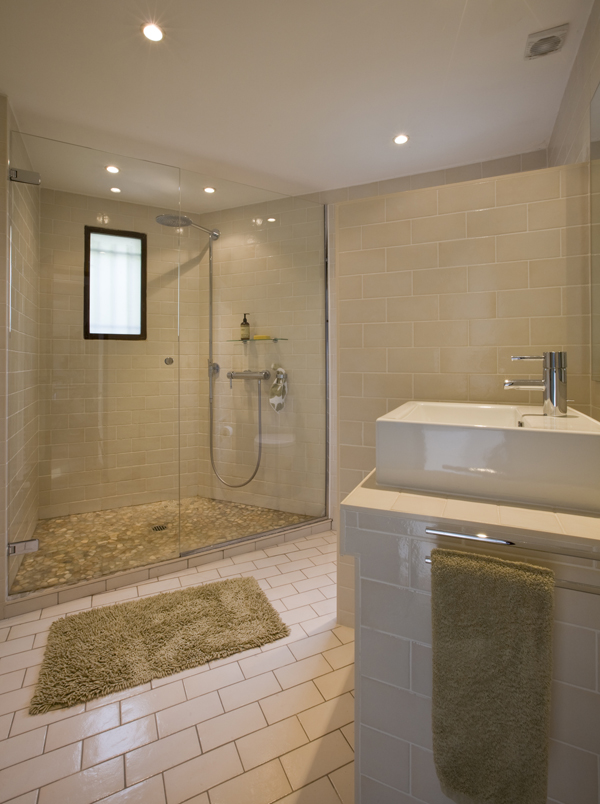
[[114, 284]]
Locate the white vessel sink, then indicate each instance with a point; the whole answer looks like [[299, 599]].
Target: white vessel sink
[[497, 452]]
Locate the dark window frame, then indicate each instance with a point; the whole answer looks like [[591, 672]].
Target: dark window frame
[[89, 230]]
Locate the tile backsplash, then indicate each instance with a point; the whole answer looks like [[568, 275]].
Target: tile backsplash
[[439, 287]]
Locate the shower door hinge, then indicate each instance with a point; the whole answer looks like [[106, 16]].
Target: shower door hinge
[[24, 176], [18, 548]]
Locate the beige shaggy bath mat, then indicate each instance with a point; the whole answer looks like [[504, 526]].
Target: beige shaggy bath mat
[[113, 648]]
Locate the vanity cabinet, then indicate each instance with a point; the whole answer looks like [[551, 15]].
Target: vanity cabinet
[[386, 532]]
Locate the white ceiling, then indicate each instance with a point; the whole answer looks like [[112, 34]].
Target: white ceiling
[[290, 96]]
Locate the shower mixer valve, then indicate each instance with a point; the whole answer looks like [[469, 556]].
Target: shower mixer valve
[[247, 375]]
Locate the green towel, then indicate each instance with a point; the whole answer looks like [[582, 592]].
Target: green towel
[[492, 656]]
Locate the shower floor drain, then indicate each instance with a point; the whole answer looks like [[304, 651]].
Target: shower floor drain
[[160, 527]]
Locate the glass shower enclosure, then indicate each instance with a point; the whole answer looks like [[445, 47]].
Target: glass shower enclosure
[[111, 464]]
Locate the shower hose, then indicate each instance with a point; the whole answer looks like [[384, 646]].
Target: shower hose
[[211, 423]]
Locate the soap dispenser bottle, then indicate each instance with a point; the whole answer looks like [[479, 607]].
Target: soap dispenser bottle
[[245, 329]]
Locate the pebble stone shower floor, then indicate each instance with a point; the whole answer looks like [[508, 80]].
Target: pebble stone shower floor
[[272, 724], [81, 547]]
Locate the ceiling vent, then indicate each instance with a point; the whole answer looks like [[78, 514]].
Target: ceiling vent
[[544, 42]]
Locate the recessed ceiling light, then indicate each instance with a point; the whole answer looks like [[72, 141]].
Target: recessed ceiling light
[[271, 220], [112, 169], [115, 190], [152, 32], [400, 139], [209, 189]]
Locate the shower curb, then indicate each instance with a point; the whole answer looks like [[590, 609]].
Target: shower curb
[[30, 601]]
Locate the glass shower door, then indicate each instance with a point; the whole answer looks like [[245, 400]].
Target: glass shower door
[[104, 411]]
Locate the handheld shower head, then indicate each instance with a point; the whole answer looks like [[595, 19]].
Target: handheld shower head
[[180, 221]]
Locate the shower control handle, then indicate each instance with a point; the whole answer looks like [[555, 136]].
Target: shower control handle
[[247, 375]]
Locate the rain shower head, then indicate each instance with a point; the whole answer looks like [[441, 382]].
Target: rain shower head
[[173, 220], [180, 221]]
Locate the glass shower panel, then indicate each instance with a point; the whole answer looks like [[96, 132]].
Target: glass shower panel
[[269, 263], [104, 495]]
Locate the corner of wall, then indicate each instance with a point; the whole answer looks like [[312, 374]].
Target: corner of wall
[[4, 134], [569, 141]]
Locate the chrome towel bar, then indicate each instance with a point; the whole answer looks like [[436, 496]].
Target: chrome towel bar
[[478, 537]]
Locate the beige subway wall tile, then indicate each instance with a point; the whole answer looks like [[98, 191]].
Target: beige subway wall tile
[[468, 305], [389, 334], [559, 271], [534, 302], [394, 385], [388, 284], [469, 360], [350, 384], [350, 335], [524, 187], [441, 333], [371, 261], [350, 287], [474, 195], [412, 258], [572, 211], [528, 245], [414, 360], [414, 204], [576, 300], [360, 213], [575, 179], [498, 276], [560, 329], [440, 280], [472, 251], [498, 332], [362, 310], [378, 235], [349, 239], [364, 360], [501, 220], [575, 240], [413, 308], [442, 387], [439, 227]]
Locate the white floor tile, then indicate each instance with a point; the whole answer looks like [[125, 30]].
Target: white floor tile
[[263, 662], [115, 742], [87, 786], [188, 713], [249, 691], [317, 758], [81, 726], [25, 746], [235, 730], [230, 726], [161, 755], [151, 791], [263, 785], [271, 742], [200, 774]]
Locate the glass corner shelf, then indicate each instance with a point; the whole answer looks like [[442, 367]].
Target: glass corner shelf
[[254, 340]]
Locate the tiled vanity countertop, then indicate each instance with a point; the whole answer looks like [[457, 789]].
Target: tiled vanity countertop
[[555, 529]]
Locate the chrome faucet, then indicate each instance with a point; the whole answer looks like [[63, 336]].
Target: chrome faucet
[[554, 384]]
